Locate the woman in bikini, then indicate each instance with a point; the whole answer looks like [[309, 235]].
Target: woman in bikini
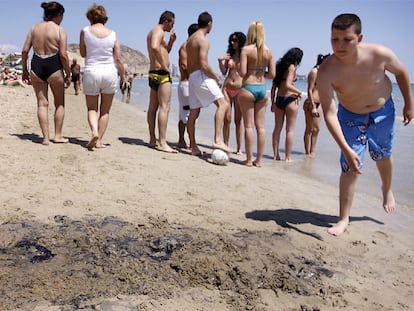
[[232, 85], [312, 109], [286, 103], [256, 64], [49, 61]]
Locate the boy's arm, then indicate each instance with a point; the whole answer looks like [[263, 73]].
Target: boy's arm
[[400, 72], [332, 123]]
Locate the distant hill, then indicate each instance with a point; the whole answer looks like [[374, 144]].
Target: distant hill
[[134, 61]]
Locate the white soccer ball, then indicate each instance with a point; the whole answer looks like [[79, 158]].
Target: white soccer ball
[[219, 157]]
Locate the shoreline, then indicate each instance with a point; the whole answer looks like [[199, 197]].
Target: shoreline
[[238, 237]]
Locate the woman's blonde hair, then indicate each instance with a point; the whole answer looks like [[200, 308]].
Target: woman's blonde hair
[[256, 36]]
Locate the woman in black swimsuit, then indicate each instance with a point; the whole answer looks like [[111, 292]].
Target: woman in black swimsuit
[[50, 59]]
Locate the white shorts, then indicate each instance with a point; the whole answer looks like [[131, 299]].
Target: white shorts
[[203, 90], [100, 79], [183, 94]]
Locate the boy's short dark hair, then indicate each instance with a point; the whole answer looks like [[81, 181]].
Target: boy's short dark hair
[[346, 20]]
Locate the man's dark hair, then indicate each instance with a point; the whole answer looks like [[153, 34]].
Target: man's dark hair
[[346, 20], [166, 16], [192, 29], [203, 19]]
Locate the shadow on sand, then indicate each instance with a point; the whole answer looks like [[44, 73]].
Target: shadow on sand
[[289, 217]]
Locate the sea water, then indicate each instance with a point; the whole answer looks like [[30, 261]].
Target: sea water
[[325, 166]]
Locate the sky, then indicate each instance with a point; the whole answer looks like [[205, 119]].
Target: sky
[[288, 23]]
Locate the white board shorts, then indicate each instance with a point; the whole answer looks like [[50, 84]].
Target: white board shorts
[[184, 107], [203, 90], [100, 80]]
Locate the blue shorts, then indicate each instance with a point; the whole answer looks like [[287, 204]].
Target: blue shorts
[[375, 129]]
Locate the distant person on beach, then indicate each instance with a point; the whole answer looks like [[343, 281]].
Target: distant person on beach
[[160, 80], [285, 104], [49, 63], [130, 78], [103, 63], [204, 85], [312, 109], [183, 92], [229, 64], [256, 64], [75, 71], [10, 78], [356, 72]]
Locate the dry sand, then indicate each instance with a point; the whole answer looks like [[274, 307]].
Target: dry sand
[[131, 228]]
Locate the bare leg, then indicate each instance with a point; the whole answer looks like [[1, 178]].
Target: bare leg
[[151, 117], [347, 184], [106, 104], [291, 115], [308, 132], [227, 120], [181, 132], [92, 105], [57, 86], [192, 118], [238, 124], [164, 102], [218, 125], [279, 120], [385, 171], [41, 91], [259, 121], [247, 109]]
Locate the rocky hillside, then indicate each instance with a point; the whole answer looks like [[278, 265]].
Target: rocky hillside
[[134, 61]]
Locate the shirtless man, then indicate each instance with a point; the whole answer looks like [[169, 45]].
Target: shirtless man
[[160, 80], [184, 109], [75, 71], [366, 112], [204, 85]]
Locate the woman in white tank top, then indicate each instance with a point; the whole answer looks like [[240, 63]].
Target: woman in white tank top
[[100, 47]]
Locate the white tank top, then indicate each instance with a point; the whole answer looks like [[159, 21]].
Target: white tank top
[[99, 51]]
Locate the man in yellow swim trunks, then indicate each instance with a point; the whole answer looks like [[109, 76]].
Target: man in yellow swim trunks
[[159, 80]]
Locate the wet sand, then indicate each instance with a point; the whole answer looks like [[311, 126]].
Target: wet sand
[[131, 228]]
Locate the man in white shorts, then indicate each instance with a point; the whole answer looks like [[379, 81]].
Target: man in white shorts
[[183, 93], [204, 85]]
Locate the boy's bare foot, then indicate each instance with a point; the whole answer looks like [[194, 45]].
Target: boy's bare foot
[[338, 228], [92, 143], [166, 148], [45, 142], [239, 152], [222, 146], [247, 163], [389, 202]]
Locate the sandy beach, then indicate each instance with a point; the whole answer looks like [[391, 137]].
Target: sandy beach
[[131, 228]]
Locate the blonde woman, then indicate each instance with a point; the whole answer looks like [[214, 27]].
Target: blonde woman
[[256, 64]]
